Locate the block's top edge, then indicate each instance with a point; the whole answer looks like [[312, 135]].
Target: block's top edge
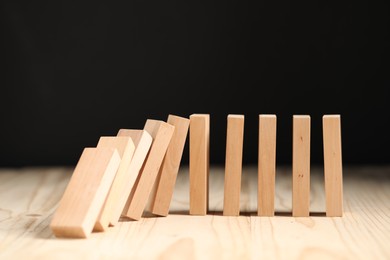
[[236, 116], [178, 117], [301, 116], [200, 115], [331, 116], [267, 115]]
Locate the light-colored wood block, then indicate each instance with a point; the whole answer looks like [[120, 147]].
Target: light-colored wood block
[[142, 141], [233, 165], [86, 193], [170, 166], [333, 165], [267, 165], [125, 148], [301, 166], [162, 133], [199, 163]]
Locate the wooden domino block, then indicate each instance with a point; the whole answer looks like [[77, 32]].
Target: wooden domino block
[[142, 141], [125, 148], [199, 163], [233, 165], [86, 193], [162, 133], [267, 165], [333, 165], [301, 166], [170, 166]]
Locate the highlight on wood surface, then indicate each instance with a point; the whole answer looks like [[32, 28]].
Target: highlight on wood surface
[[233, 165], [86, 193], [267, 166], [199, 163], [333, 167]]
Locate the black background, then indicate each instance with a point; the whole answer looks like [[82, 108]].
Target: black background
[[74, 71]]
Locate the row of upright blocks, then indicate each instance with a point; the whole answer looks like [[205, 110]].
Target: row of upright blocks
[[136, 170]]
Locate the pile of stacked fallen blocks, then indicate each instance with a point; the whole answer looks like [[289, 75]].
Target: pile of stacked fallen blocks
[[137, 170]]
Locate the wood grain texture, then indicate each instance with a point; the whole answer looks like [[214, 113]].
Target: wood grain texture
[[267, 165], [125, 148], [29, 196], [162, 133], [199, 163], [86, 193], [170, 166], [301, 166], [333, 166], [142, 141], [233, 165]]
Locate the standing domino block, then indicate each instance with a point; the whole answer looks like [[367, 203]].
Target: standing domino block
[[199, 163], [86, 192], [333, 165], [142, 141], [162, 133], [267, 165], [233, 165], [125, 148], [170, 166], [301, 166]]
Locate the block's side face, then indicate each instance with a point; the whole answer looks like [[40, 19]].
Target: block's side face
[[267, 165], [333, 168], [199, 163], [301, 166]]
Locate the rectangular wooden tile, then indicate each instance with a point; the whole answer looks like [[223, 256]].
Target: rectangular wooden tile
[[125, 148], [267, 165], [301, 166], [199, 163], [86, 193], [162, 133], [333, 165], [170, 166], [233, 165], [142, 141]]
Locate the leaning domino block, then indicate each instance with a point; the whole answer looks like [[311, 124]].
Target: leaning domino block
[[199, 163], [333, 165], [86, 192], [162, 133], [233, 165], [170, 166], [125, 148], [301, 166]]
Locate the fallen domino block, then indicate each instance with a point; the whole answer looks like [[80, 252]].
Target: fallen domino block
[[199, 163], [233, 165], [162, 133], [333, 165], [142, 141], [86, 192], [170, 166], [266, 168], [125, 148], [301, 166]]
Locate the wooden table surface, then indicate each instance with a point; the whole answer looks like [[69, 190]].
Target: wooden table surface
[[28, 198]]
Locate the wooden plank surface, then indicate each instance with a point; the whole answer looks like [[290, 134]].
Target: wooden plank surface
[[125, 148], [86, 193], [267, 165], [233, 165], [333, 166], [199, 163], [170, 166], [29, 196], [301, 166]]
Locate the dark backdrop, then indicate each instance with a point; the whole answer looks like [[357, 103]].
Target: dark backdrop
[[74, 71]]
